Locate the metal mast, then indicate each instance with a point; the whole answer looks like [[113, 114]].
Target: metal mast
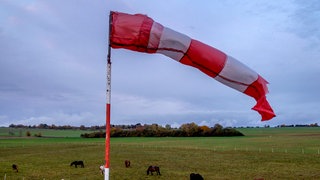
[[108, 105]]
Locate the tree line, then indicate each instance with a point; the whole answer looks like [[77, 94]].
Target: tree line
[[155, 130], [52, 126], [139, 130], [132, 126]]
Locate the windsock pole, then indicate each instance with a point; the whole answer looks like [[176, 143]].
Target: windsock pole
[[108, 107]]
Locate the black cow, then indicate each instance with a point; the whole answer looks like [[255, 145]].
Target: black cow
[[77, 163], [15, 167], [194, 176]]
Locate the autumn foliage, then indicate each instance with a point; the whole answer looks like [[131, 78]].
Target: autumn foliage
[[155, 130]]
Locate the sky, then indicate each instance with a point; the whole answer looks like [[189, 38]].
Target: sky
[[53, 63]]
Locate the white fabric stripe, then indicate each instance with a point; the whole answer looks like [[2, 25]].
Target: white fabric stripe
[[175, 43], [155, 35], [236, 72]]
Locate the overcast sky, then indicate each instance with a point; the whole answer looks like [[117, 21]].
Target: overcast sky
[[53, 58]]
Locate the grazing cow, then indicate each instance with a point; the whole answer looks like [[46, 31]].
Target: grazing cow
[[127, 163], [15, 167], [152, 169], [194, 176], [101, 168], [76, 163]]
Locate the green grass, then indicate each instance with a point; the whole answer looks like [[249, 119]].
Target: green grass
[[269, 153], [21, 132]]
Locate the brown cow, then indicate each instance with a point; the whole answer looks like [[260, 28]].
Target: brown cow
[[152, 169], [127, 163]]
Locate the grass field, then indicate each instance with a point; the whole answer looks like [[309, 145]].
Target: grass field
[[20, 132], [268, 153]]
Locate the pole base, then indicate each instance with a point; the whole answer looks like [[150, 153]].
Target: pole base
[[106, 174]]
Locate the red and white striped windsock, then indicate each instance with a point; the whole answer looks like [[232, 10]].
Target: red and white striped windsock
[[140, 33]]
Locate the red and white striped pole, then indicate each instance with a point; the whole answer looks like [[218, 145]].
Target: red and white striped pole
[[108, 107]]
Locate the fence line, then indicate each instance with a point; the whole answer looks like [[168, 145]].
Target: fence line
[[298, 150]]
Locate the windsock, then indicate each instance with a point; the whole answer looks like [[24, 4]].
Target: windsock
[[140, 33]]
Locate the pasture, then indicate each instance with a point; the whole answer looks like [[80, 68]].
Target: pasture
[[268, 153]]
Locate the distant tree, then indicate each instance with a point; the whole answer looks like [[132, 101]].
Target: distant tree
[[43, 126], [116, 132], [314, 125], [217, 130], [53, 126], [191, 129], [205, 130], [231, 132]]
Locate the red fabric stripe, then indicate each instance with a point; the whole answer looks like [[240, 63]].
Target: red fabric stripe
[[130, 32], [258, 90], [206, 58], [264, 109]]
